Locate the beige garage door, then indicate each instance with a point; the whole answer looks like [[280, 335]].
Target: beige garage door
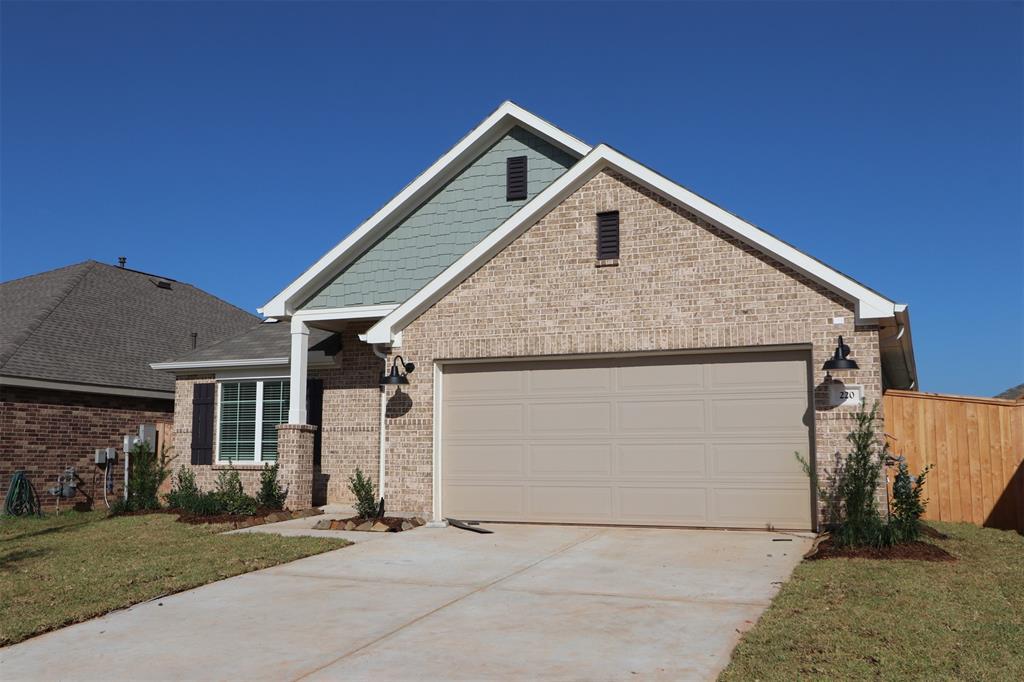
[[695, 440]]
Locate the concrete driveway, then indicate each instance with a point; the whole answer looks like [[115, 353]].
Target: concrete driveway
[[528, 602]]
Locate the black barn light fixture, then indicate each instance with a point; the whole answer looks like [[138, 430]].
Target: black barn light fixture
[[840, 360], [394, 378]]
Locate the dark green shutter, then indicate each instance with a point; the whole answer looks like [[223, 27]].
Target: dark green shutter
[[315, 414], [202, 423]]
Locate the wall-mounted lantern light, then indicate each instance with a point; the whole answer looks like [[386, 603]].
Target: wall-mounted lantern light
[[840, 359], [394, 378]]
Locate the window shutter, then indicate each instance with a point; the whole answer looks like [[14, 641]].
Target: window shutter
[[608, 235], [515, 178], [315, 414], [202, 423]]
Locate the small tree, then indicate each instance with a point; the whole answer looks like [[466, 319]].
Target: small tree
[[363, 490], [184, 489], [146, 472], [907, 505], [271, 494], [858, 485]]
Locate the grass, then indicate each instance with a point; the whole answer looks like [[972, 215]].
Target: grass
[[896, 620], [59, 570]]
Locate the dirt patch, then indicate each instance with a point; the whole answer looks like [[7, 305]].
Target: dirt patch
[[908, 551]]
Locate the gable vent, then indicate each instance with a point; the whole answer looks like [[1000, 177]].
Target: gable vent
[[515, 178], [608, 235]]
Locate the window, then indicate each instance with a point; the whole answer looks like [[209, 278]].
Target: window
[[249, 412], [515, 178], [608, 235]]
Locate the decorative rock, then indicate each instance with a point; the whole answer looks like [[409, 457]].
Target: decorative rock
[[350, 525], [277, 517], [379, 527], [323, 524], [365, 525], [419, 520], [408, 525]]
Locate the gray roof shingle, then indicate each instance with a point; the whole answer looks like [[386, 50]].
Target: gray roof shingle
[[98, 324], [263, 341]]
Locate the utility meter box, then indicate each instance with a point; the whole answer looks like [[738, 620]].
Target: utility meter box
[[147, 433], [111, 455], [101, 455]]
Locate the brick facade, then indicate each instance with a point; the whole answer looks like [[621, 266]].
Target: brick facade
[[680, 284], [45, 431]]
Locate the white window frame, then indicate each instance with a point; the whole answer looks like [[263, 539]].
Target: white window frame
[[258, 436]]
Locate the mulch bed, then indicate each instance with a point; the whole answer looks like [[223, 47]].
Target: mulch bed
[[913, 551], [261, 517]]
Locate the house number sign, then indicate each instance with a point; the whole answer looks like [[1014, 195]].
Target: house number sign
[[842, 395]]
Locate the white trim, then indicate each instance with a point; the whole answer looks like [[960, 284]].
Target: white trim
[[258, 435], [298, 371], [358, 312], [504, 118], [85, 388], [436, 454], [869, 305], [252, 374], [218, 364]]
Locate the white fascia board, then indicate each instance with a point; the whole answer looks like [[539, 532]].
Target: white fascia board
[[217, 364], [504, 118], [869, 305], [85, 388], [361, 312]]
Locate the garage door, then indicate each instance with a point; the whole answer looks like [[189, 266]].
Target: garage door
[[695, 440]]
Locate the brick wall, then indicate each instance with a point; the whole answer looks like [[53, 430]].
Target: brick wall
[[46, 431], [680, 284]]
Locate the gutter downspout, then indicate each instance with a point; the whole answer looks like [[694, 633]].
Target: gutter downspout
[[383, 411]]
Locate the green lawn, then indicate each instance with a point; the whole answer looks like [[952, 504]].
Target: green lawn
[[896, 620], [60, 570]]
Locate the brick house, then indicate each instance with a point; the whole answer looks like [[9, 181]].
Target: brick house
[[75, 348], [591, 342]]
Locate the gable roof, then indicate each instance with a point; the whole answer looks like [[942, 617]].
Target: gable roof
[[267, 343], [499, 123], [869, 304], [98, 327]]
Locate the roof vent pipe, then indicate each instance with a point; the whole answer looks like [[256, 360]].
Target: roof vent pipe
[[121, 260], [195, 336]]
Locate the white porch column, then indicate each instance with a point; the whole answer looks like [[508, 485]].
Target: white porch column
[[297, 368]]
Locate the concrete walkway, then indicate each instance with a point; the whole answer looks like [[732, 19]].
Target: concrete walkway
[[528, 602]]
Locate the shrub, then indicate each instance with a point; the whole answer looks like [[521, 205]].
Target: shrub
[[363, 490], [184, 488], [271, 495], [907, 505], [146, 472], [232, 497], [859, 478], [203, 504]]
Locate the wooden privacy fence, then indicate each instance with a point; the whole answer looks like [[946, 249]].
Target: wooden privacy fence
[[976, 446]]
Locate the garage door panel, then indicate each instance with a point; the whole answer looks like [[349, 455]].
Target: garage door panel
[[570, 381], [660, 416], [754, 375], [658, 459], [571, 459], [661, 376], [759, 459], [485, 418], [570, 418], [763, 415], [666, 506], [687, 440], [572, 502], [485, 459], [759, 507], [476, 500], [469, 384]]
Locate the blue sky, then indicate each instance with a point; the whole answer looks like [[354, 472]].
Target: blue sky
[[230, 145]]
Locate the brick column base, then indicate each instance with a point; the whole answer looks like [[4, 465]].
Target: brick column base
[[295, 463]]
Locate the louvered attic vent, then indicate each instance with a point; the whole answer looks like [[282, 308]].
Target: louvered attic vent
[[608, 235], [515, 178]]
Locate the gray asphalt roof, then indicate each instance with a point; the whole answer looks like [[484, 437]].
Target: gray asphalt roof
[[265, 340], [99, 324]]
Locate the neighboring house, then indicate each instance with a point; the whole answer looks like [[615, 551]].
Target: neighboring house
[[1015, 393], [75, 348], [592, 342]]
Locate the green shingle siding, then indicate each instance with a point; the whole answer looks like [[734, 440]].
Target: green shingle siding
[[445, 227]]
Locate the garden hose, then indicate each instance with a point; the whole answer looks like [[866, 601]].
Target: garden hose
[[21, 499]]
